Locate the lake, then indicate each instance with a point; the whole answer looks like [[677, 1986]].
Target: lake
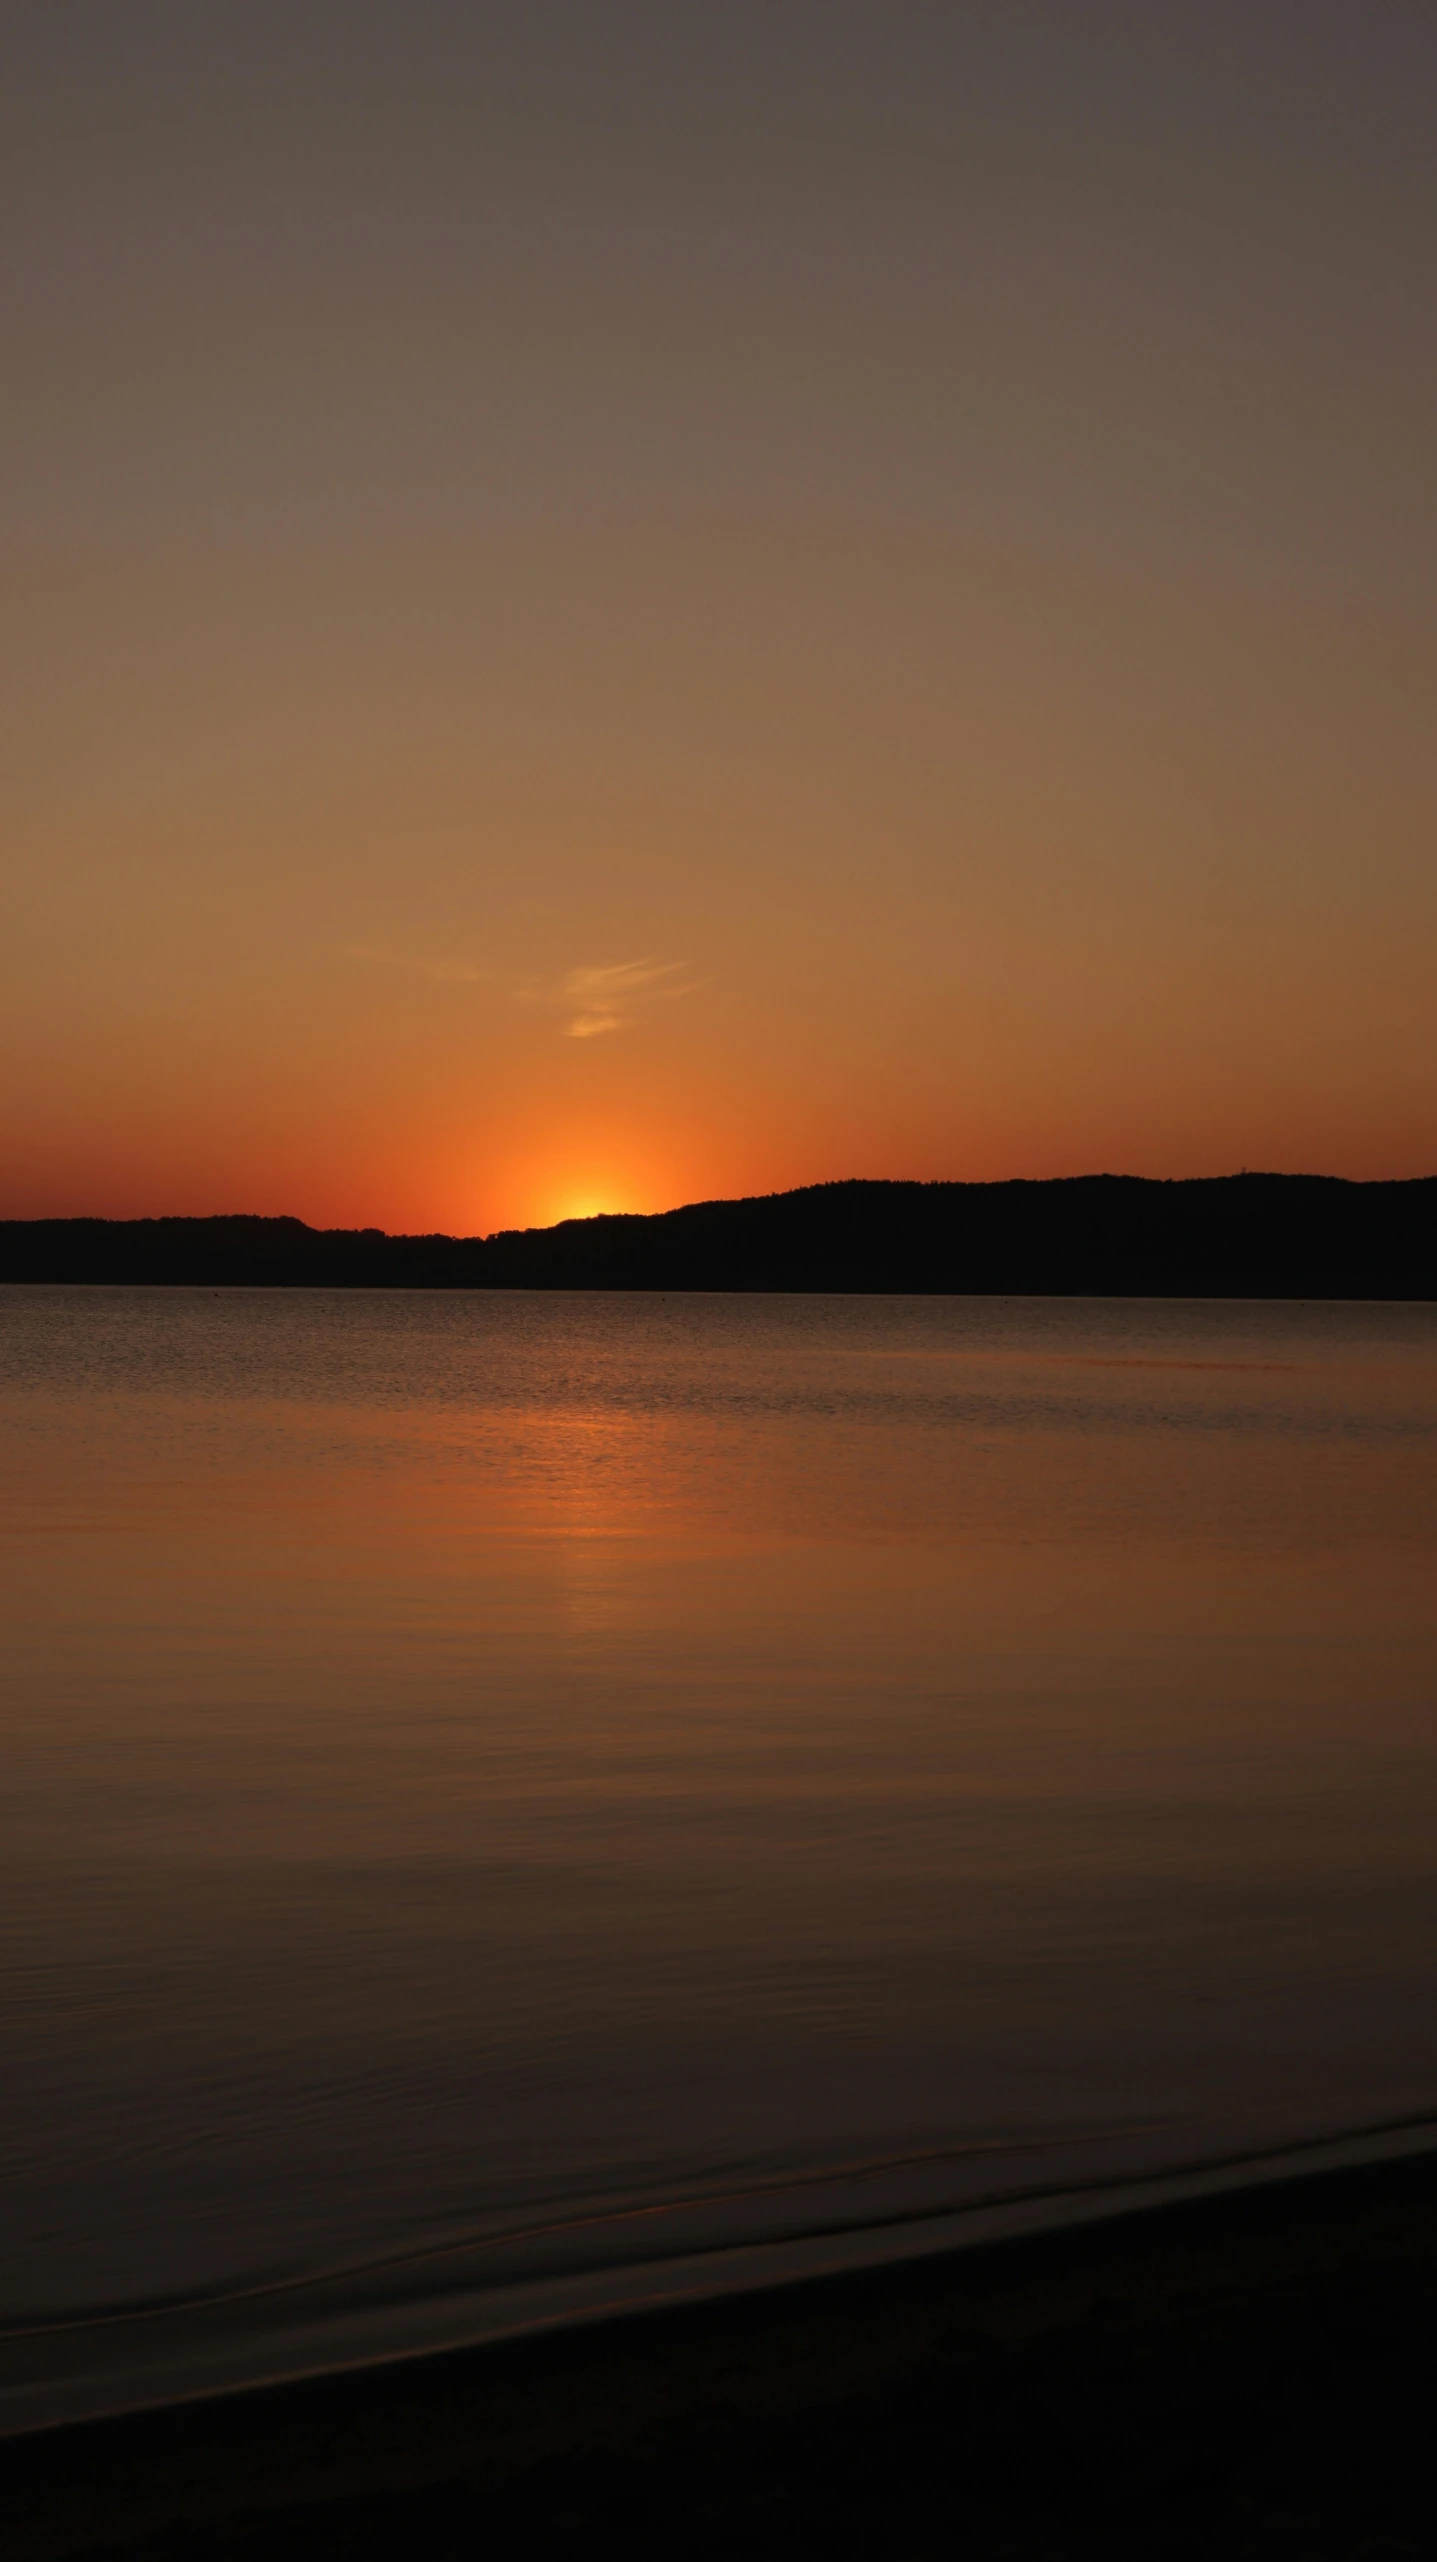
[[519, 1804]]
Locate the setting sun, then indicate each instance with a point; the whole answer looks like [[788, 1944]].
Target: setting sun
[[548, 1171], [604, 1192], [587, 1205]]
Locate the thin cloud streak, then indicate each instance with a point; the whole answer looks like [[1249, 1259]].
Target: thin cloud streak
[[607, 997], [596, 997]]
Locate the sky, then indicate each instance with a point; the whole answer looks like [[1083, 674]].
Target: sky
[[607, 604]]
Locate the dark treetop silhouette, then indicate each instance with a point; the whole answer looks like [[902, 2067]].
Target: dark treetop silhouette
[[1230, 1236]]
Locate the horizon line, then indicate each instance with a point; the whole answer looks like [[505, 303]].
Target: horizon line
[[595, 1218]]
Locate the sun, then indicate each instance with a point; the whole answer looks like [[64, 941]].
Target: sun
[[553, 1178], [585, 1205], [593, 1195]]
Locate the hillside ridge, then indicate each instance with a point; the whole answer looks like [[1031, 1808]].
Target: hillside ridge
[[1241, 1235]]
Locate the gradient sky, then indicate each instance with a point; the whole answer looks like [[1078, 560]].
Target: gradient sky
[[610, 603]]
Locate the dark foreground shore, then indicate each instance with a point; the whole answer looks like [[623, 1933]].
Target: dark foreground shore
[[1251, 2375]]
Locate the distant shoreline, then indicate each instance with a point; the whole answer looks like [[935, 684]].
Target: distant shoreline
[[1111, 1236]]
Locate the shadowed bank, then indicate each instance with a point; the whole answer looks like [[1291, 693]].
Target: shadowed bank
[[1231, 1236], [1249, 2376]]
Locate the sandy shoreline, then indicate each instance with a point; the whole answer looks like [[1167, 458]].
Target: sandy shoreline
[[1247, 2373]]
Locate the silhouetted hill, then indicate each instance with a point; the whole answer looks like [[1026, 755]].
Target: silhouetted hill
[[1231, 1236]]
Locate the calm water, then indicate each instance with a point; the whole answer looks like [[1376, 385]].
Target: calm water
[[518, 1802]]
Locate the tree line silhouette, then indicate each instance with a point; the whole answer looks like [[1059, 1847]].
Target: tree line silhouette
[[1230, 1236]]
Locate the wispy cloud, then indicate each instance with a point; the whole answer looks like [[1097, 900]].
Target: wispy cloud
[[453, 973], [598, 998], [607, 998]]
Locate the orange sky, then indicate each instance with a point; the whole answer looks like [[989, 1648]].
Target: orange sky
[[611, 606]]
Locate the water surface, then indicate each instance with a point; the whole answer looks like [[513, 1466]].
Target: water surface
[[515, 1801]]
